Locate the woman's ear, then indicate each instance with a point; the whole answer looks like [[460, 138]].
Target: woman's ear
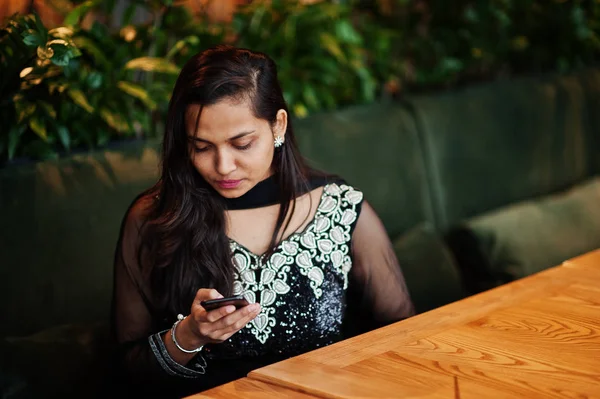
[[280, 123]]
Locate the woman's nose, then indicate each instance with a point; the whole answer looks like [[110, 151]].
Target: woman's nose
[[225, 163]]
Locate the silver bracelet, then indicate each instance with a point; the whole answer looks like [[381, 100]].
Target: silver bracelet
[[180, 318]]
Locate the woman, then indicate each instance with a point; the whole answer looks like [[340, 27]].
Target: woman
[[237, 211]]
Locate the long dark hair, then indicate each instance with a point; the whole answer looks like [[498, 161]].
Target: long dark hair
[[185, 230]]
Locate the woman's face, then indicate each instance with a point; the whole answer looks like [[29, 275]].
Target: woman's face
[[231, 148]]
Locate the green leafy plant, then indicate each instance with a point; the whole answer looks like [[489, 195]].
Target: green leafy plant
[[72, 87], [322, 57], [446, 43], [67, 88]]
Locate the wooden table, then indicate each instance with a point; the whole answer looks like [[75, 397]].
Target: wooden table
[[535, 337], [247, 388]]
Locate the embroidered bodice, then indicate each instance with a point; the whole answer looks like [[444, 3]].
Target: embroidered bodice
[[301, 285]]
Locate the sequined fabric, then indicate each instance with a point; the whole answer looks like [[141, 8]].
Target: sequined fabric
[[301, 286]]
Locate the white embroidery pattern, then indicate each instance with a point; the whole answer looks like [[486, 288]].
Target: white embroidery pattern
[[324, 241]]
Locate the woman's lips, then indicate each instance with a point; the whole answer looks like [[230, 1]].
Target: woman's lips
[[228, 184]]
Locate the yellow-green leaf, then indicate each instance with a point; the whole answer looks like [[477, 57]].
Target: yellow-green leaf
[[48, 108], [114, 120], [79, 98], [38, 128], [152, 64], [24, 110], [138, 92], [332, 46], [310, 97], [177, 47], [300, 110], [73, 17]]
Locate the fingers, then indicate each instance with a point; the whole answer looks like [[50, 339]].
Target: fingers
[[219, 313], [209, 316], [231, 324], [219, 324], [204, 294]]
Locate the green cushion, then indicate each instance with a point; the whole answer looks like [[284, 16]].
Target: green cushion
[[64, 361], [492, 145], [429, 268], [527, 237], [590, 82], [60, 224], [375, 148]]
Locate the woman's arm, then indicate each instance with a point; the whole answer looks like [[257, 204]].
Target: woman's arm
[[376, 274], [148, 358]]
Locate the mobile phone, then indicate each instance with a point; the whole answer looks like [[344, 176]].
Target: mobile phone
[[238, 301]]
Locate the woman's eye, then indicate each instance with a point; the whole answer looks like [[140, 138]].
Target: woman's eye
[[198, 149], [243, 147]]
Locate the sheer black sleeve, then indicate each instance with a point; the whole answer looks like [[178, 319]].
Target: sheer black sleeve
[[143, 361], [376, 276]]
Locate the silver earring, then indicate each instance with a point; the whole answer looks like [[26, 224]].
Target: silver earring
[[278, 141]]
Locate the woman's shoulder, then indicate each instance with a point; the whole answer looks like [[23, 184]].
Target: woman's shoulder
[[338, 199], [140, 209], [334, 184], [317, 179]]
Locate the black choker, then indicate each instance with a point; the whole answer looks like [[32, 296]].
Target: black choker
[[266, 193]]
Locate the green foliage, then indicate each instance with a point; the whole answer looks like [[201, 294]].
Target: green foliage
[[444, 43], [72, 88], [69, 87], [322, 57]]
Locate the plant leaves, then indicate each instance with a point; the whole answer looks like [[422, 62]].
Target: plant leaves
[[128, 14], [40, 150], [79, 98], [14, 134], [24, 109], [451, 65], [102, 137], [39, 128], [367, 84], [64, 136], [78, 12], [181, 44], [345, 31], [56, 87], [138, 92], [114, 120], [62, 32], [40, 27], [310, 97], [32, 38], [62, 52], [152, 64], [50, 111], [94, 80], [332, 46], [300, 110], [90, 46]]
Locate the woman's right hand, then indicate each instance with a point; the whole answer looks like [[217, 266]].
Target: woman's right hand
[[215, 326]]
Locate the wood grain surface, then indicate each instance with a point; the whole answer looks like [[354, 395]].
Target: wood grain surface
[[536, 337], [246, 388], [589, 260]]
